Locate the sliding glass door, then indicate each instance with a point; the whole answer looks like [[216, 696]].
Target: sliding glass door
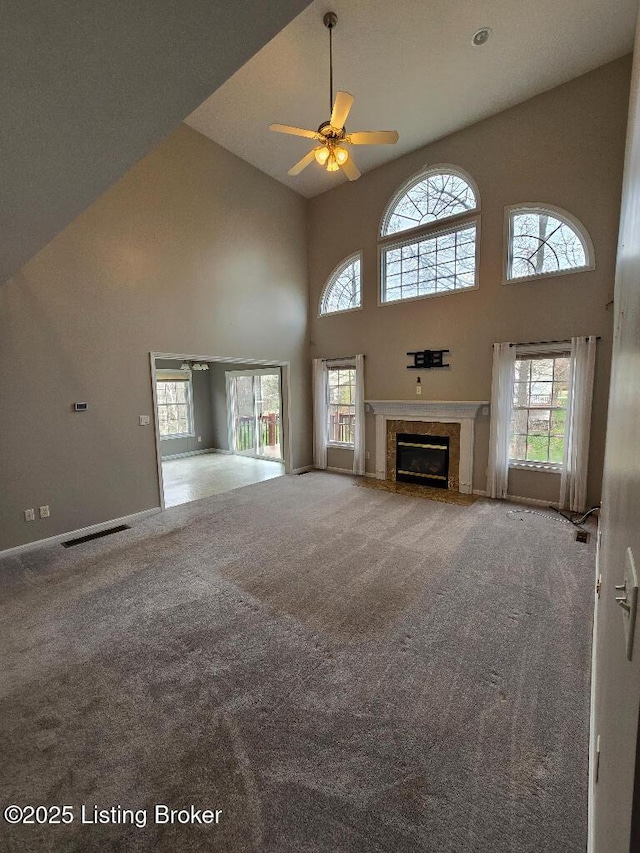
[[253, 400]]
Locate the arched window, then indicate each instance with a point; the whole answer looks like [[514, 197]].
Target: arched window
[[543, 240], [342, 292], [436, 212]]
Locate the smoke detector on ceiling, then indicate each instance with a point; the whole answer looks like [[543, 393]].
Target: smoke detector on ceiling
[[481, 36]]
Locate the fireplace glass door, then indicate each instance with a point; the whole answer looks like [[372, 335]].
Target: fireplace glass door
[[422, 459]]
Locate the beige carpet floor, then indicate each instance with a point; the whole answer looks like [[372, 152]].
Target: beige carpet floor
[[339, 670]]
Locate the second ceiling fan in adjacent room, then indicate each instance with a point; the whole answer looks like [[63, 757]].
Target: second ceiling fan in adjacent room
[[332, 135]]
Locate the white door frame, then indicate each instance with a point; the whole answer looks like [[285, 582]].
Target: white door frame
[[285, 400], [230, 375]]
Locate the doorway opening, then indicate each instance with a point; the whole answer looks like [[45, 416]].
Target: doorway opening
[[220, 424]]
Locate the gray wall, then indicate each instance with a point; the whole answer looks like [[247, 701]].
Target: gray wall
[[91, 87], [616, 681], [202, 413], [564, 147], [193, 251]]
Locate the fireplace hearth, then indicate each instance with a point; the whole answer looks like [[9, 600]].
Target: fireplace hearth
[[422, 459]]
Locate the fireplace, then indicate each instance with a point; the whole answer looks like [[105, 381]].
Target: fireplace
[[422, 459]]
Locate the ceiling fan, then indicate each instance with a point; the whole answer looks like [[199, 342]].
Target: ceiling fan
[[332, 135]]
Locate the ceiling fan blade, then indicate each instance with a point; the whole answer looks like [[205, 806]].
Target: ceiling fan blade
[[350, 169], [295, 131], [341, 107], [373, 137], [302, 164]]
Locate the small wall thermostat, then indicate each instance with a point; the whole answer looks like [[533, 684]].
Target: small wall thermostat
[[80, 407]]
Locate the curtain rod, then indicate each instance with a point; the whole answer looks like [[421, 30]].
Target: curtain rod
[[536, 343], [342, 358]]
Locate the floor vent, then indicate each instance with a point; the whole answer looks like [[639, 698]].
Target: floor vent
[[71, 542]]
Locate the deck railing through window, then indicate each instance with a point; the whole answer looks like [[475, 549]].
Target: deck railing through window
[[269, 426], [342, 428]]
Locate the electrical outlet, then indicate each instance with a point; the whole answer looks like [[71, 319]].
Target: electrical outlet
[[199, 439], [418, 390], [44, 511], [144, 420], [485, 411], [29, 515], [367, 455]]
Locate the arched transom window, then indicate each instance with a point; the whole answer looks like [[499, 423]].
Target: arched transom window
[[428, 237], [342, 291], [544, 240]]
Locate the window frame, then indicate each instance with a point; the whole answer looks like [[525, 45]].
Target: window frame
[[541, 351], [331, 280], [416, 235], [343, 365], [190, 410], [446, 225], [558, 213]]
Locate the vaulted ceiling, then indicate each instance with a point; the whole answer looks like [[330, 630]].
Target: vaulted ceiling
[[88, 88], [412, 67]]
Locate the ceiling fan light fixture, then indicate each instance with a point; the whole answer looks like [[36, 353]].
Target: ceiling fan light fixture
[[332, 163], [329, 153], [342, 155]]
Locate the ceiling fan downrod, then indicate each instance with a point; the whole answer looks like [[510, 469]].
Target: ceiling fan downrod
[[330, 20]]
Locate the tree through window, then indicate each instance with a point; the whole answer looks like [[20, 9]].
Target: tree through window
[[342, 291], [540, 394], [341, 409], [175, 410], [439, 207], [545, 241], [429, 198]]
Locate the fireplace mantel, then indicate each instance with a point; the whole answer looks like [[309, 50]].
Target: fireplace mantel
[[444, 411]]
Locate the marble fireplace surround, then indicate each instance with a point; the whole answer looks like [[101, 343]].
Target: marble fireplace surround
[[427, 411]]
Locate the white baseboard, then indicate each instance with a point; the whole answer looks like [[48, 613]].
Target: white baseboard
[[340, 470], [193, 453], [82, 531], [517, 499]]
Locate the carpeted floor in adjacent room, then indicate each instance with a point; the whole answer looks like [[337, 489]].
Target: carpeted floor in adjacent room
[[340, 670]]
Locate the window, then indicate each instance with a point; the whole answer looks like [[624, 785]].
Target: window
[[175, 408], [540, 394], [544, 241], [342, 292], [341, 409], [439, 256]]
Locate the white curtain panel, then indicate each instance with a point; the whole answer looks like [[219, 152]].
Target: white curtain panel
[[573, 483], [504, 360], [358, 446], [319, 413]]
